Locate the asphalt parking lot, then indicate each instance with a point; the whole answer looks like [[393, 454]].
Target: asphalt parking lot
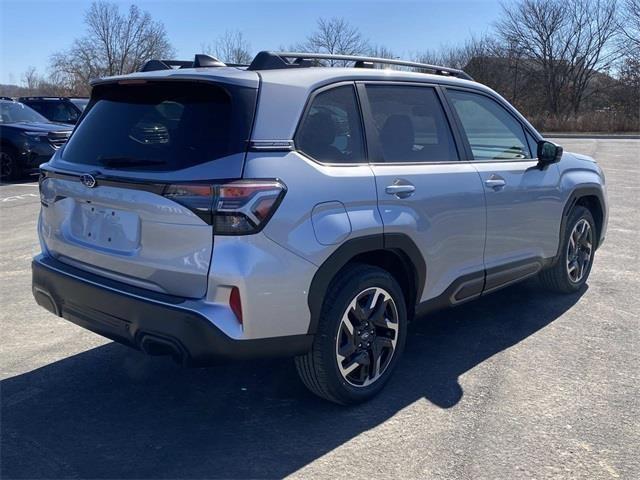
[[520, 384]]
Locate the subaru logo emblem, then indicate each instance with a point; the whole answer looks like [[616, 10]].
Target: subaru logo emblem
[[88, 180]]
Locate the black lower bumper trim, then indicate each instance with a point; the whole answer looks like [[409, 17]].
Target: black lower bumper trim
[[147, 324]]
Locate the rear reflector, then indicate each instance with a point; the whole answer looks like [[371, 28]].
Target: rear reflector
[[236, 304]]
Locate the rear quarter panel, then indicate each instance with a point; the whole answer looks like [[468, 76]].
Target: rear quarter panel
[[314, 187]]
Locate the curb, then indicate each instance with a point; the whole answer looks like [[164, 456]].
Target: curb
[[596, 136]]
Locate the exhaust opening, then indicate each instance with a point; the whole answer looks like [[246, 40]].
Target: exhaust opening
[[158, 346]]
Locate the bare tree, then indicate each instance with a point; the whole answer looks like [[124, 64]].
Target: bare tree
[[335, 36], [115, 43], [628, 93], [568, 41], [475, 47], [231, 47], [31, 79], [629, 25], [431, 56], [380, 51]]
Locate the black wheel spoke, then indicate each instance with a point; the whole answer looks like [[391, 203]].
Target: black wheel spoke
[[360, 313], [378, 316], [364, 372], [357, 314], [348, 348], [383, 342]]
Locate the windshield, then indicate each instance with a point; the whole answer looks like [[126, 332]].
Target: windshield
[[14, 112], [163, 126], [81, 103]]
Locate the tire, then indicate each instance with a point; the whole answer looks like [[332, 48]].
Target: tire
[[9, 169], [571, 269], [334, 377]]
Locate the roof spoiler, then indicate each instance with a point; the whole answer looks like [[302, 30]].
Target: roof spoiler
[[200, 61]]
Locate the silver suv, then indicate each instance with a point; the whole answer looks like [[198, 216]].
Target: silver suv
[[283, 208]]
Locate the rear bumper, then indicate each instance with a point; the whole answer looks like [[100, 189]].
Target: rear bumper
[[153, 323]]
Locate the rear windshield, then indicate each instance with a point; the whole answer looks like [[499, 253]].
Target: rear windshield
[[162, 126]]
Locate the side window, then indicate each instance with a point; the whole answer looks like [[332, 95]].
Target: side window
[[38, 107], [62, 112], [72, 114], [494, 134], [331, 130], [56, 111], [410, 124]]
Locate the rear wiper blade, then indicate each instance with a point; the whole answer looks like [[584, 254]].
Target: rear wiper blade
[[127, 162]]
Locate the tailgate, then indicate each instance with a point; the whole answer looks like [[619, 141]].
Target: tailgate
[[130, 194], [126, 233]]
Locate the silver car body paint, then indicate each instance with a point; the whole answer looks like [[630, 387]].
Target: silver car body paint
[[128, 235], [351, 185], [445, 218], [523, 217]]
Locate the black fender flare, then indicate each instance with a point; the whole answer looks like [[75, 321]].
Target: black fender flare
[[398, 243], [577, 194]]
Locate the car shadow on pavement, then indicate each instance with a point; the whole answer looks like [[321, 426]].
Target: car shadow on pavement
[[111, 412]]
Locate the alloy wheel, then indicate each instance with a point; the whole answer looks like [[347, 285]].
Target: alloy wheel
[[6, 165], [579, 250], [367, 337]]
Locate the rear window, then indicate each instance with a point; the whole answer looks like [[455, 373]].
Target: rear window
[[56, 110], [81, 103], [162, 126], [331, 131]]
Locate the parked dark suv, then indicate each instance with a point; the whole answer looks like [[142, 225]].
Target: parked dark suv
[[27, 139], [57, 109]]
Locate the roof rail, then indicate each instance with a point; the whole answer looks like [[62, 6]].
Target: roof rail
[[200, 60], [41, 97], [277, 60]]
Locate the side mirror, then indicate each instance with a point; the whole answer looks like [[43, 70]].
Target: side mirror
[[548, 152]]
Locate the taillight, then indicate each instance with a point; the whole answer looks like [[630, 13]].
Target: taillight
[[197, 198], [245, 206], [236, 208]]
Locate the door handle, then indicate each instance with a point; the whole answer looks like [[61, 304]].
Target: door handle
[[495, 182], [400, 190]]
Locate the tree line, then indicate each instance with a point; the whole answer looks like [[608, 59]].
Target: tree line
[[566, 64]]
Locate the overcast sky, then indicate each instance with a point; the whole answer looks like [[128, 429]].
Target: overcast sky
[[31, 30]]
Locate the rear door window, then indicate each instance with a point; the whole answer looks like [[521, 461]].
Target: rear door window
[[162, 126], [410, 124], [331, 130]]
